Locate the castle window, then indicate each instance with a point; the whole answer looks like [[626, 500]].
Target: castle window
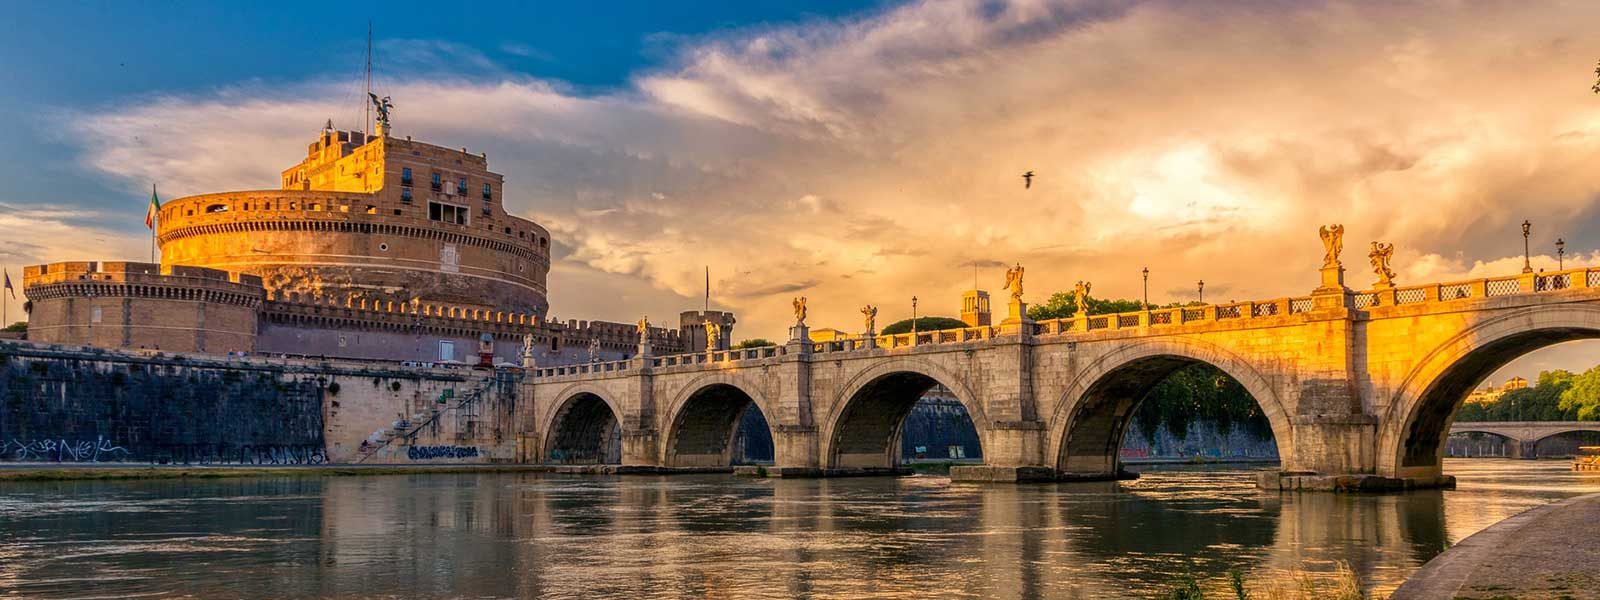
[[487, 213], [447, 213], [508, 231], [437, 182], [216, 208], [397, 212], [461, 188], [488, 193], [372, 210], [405, 176], [405, 196]]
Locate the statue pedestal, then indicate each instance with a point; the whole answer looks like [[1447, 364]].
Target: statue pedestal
[[800, 333], [1332, 280], [869, 340], [1332, 294], [1016, 312], [646, 349], [1016, 320], [528, 362]]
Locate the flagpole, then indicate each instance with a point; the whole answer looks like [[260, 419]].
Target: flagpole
[[152, 227]]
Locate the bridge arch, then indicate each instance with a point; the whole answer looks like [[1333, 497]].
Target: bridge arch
[[584, 428], [863, 427], [1093, 414], [703, 420], [1589, 427], [1412, 431]]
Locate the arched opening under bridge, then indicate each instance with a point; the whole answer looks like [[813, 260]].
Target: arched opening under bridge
[[585, 431], [895, 419], [1165, 404], [1473, 366], [718, 425]]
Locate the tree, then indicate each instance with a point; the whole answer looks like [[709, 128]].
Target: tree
[[1061, 305], [753, 343], [17, 327], [923, 324], [1583, 397], [1545, 400]]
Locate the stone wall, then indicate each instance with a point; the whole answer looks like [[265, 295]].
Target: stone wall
[[142, 305], [76, 404]]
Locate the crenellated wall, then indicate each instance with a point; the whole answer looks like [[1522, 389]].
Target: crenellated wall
[[142, 305]]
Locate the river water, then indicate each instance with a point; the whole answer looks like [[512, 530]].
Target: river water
[[534, 535]]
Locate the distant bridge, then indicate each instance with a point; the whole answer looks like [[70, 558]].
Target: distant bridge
[[1523, 437], [1353, 383]]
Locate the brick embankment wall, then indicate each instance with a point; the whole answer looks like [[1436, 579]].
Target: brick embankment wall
[[64, 404]]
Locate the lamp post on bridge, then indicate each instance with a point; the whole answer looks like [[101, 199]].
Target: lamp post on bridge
[[1202, 291], [1561, 254], [913, 320], [1147, 288], [1527, 267]]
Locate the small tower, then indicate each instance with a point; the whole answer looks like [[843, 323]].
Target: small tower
[[975, 308]]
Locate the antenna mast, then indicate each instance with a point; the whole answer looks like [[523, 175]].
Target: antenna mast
[[366, 113]]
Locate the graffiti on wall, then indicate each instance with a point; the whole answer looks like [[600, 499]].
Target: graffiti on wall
[[60, 450], [240, 454], [432, 452]]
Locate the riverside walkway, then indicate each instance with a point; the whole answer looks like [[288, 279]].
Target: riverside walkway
[[1542, 553]]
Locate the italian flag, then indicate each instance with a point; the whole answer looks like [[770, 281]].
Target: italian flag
[[155, 206]]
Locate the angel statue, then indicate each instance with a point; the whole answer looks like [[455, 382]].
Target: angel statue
[[644, 328], [1380, 255], [1014, 282], [594, 349], [383, 107], [800, 310], [713, 336], [1081, 295], [1332, 244], [871, 313], [527, 345]]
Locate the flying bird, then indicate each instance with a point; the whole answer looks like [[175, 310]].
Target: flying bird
[[1027, 180]]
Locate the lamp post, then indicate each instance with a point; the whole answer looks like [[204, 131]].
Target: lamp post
[[1147, 288], [913, 319], [1561, 254], [1527, 267], [1202, 291]]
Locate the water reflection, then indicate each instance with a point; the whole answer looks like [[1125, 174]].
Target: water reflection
[[510, 535]]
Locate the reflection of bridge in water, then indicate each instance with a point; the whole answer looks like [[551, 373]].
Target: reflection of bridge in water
[[1352, 383], [1523, 437]]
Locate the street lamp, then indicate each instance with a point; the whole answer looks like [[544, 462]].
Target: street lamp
[[1147, 288], [1561, 254], [913, 319], [1202, 291], [1527, 267]]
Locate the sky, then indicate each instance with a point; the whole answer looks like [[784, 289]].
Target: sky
[[856, 153]]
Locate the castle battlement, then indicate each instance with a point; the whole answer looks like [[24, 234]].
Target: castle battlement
[[376, 248], [371, 218]]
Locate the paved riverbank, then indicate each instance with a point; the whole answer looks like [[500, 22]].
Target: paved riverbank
[[1545, 552], [59, 472]]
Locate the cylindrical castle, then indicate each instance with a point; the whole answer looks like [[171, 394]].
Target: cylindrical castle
[[370, 220]]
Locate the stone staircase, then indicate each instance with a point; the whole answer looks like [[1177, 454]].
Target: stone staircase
[[409, 428]]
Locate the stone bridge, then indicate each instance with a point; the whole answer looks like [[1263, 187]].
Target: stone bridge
[[1353, 383], [1524, 435]]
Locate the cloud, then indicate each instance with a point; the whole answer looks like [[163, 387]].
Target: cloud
[[877, 157]]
